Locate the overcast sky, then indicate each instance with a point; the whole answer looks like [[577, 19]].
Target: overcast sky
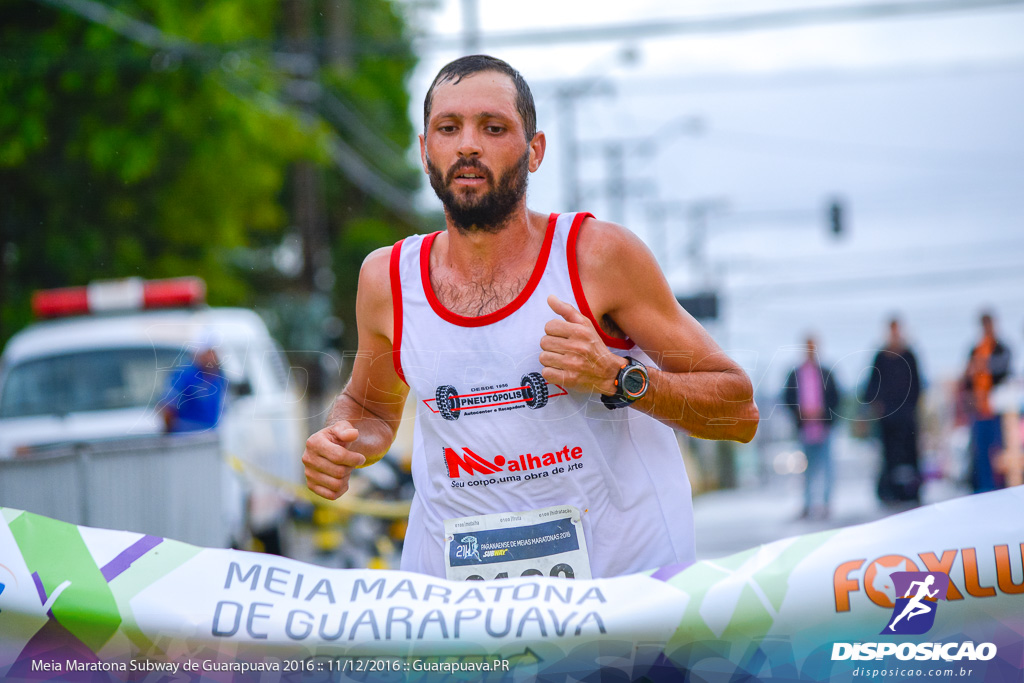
[[917, 124]]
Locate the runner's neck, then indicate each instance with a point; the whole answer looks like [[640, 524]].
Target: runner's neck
[[481, 258]]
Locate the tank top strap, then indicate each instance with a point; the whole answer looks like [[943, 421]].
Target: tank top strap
[[568, 229]]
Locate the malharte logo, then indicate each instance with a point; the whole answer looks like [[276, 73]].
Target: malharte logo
[[472, 464], [917, 596]]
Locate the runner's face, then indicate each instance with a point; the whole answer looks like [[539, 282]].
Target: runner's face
[[475, 152]]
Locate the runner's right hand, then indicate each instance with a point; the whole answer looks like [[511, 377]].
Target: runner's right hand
[[329, 462]]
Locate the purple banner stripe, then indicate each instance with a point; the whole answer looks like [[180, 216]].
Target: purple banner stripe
[[670, 570], [119, 564], [39, 588]]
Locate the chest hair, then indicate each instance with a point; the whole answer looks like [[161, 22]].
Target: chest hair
[[476, 297]]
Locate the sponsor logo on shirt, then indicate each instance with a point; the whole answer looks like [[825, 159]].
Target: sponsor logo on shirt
[[532, 392], [480, 469]]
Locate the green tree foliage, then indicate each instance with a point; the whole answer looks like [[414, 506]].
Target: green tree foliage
[[122, 158]]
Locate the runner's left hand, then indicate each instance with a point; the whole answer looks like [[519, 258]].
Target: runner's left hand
[[573, 354]]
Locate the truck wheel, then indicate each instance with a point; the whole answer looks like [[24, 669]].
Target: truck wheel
[[448, 402], [536, 390]]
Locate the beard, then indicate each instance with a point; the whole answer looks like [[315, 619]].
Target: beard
[[489, 212]]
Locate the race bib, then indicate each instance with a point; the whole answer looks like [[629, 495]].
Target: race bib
[[547, 542]]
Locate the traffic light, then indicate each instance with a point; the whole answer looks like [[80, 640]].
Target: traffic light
[[836, 217]]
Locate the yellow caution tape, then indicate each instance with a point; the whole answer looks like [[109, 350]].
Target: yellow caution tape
[[384, 509]]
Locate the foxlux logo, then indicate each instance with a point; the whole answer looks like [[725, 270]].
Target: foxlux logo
[[917, 596]]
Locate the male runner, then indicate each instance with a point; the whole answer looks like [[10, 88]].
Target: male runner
[[549, 360]]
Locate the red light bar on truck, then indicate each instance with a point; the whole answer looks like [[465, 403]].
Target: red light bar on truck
[[119, 295]]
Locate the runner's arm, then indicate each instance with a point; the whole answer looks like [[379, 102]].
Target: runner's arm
[[698, 388], [364, 418]]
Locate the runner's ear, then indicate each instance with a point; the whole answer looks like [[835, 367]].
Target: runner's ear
[[423, 154], [537, 147]]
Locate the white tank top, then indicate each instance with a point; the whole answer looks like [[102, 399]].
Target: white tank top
[[485, 414]]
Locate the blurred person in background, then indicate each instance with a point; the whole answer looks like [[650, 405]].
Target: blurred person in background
[[987, 367], [194, 400], [893, 392], [812, 395]]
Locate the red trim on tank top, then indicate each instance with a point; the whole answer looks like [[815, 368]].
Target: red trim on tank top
[[396, 307], [577, 285], [503, 312]]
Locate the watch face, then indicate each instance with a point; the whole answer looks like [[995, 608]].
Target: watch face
[[634, 382]]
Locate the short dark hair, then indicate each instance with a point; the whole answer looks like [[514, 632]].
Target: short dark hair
[[456, 70]]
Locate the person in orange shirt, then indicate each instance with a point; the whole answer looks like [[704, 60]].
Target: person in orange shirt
[[987, 366]]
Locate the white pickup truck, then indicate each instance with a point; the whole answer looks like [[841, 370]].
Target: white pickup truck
[[99, 362]]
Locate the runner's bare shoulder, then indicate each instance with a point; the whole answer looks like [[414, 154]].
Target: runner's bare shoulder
[[373, 299], [612, 262]]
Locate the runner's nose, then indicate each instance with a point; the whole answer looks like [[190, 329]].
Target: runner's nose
[[469, 143]]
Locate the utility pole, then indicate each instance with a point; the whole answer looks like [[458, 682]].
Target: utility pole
[[470, 27], [617, 187], [566, 95], [307, 197], [659, 213], [658, 235], [338, 29], [616, 153], [696, 244]]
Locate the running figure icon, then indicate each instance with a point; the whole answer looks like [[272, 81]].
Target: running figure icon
[[915, 606]]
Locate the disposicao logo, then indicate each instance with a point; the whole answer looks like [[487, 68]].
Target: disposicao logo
[[914, 613], [917, 596]]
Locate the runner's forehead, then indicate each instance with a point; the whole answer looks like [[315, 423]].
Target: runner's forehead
[[480, 94]]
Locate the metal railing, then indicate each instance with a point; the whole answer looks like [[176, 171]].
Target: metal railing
[[172, 486]]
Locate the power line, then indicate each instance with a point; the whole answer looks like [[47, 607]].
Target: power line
[[854, 151], [908, 254], [345, 158], [119, 22], [658, 28], [662, 86], [863, 284]]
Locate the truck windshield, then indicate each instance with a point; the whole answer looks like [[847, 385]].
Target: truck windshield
[[105, 379]]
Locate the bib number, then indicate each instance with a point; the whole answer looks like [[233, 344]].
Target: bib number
[[546, 542]]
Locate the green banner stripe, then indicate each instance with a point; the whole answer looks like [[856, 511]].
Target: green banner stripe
[[144, 572], [55, 550]]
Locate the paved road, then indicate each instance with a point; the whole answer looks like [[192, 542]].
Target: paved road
[[734, 520]]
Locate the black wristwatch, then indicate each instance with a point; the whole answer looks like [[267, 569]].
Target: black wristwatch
[[630, 385]]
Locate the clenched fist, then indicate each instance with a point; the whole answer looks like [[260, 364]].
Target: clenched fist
[[328, 460], [573, 354]]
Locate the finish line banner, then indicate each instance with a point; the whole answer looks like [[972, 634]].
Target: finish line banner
[[934, 593]]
